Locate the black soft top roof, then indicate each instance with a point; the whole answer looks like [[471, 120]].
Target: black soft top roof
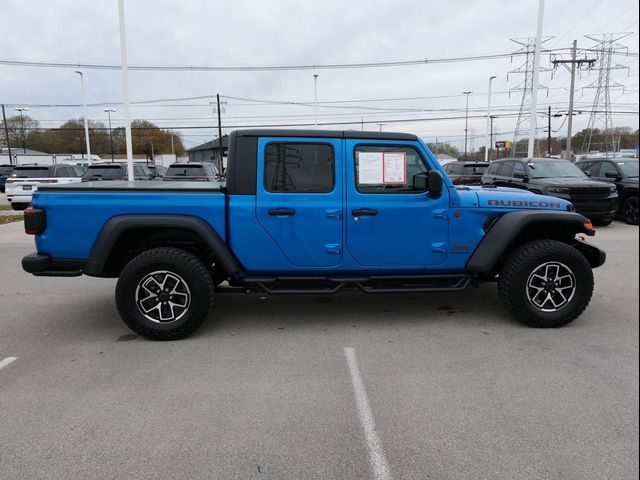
[[266, 132]]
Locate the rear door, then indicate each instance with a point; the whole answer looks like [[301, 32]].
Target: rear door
[[391, 220], [299, 198]]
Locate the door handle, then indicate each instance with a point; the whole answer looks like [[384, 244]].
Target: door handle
[[279, 212], [364, 212]]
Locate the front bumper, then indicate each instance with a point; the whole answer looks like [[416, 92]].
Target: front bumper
[[594, 255], [44, 266]]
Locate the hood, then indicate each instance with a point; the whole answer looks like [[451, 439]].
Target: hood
[[569, 182], [508, 198]]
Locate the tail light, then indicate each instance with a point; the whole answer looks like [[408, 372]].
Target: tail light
[[34, 221]]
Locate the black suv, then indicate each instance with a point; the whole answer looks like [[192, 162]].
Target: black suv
[[559, 178], [116, 171], [466, 173], [5, 171], [623, 172]]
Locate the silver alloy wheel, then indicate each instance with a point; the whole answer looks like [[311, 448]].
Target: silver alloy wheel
[[551, 286], [163, 296]]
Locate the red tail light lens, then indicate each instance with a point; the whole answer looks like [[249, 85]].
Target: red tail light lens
[[34, 221]]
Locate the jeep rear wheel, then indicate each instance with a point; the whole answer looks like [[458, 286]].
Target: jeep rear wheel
[[546, 283], [164, 293], [630, 210]]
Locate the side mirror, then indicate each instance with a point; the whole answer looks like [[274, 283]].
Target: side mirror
[[587, 173], [435, 184], [521, 176], [612, 174]]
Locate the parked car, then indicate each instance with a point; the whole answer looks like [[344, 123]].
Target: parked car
[[558, 178], [466, 173], [193, 172], [5, 172], [158, 171], [623, 172], [26, 179], [311, 212], [116, 171]]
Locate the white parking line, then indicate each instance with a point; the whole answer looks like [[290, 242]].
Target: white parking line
[[7, 361], [379, 465]]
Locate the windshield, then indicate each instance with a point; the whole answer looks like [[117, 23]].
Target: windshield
[[106, 171], [475, 169], [30, 172], [551, 169], [185, 171], [629, 168]]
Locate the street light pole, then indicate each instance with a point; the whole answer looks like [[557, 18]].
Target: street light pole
[[125, 90], [466, 124], [84, 112], [109, 110], [488, 145], [22, 135], [315, 100]]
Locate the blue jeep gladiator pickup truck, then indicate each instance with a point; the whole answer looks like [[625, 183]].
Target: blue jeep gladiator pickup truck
[[313, 212]]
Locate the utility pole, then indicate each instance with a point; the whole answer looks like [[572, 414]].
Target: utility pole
[[125, 90], [220, 166], [6, 133], [536, 74], [549, 134], [491, 132], [488, 144], [466, 124], [109, 110], [315, 100], [573, 62]]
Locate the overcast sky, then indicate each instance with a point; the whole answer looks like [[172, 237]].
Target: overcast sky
[[283, 32]]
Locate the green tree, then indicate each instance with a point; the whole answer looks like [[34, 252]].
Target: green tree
[[145, 133], [445, 148], [19, 127]]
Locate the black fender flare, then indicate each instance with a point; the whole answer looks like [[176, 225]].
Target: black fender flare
[[507, 227], [116, 226]]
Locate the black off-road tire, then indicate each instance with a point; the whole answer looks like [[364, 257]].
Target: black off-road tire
[[630, 210], [19, 206], [179, 264], [518, 270]]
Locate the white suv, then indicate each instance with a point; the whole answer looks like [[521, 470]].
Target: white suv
[[25, 180]]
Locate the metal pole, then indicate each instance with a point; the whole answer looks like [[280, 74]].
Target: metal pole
[[84, 112], [572, 88], [491, 133], [172, 150], [466, 124], [6, 132], [125, 90], [219, 133], [315, 100], [22, 134], [488, 145], [549, 135], [536, 75], [109, 110]]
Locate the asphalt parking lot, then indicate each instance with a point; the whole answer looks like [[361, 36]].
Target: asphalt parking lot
[[448, 385]]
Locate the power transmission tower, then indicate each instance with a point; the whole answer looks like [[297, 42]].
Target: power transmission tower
[[526, 86], [574, 62], [606, 47]]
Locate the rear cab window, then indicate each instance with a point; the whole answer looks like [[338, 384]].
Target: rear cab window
[[474, 169], [389, 169]]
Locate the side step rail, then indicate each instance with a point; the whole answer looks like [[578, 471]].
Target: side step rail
[[376, 284]]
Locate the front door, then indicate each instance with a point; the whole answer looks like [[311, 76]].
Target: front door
[[299, 198], [392, 221]]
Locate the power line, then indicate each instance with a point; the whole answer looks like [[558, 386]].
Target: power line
[[259, 68]]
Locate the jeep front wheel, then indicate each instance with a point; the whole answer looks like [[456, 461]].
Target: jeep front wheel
[[164, 293], [546, 283]]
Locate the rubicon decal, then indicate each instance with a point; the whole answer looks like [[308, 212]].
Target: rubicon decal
[[523, 203]]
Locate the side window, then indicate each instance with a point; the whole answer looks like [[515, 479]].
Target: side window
[[299, 167], [63, 172], [507, 169], [518, 168], [594, 168], [608, 167], [388, 169], [138, 171], [493, 169]]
